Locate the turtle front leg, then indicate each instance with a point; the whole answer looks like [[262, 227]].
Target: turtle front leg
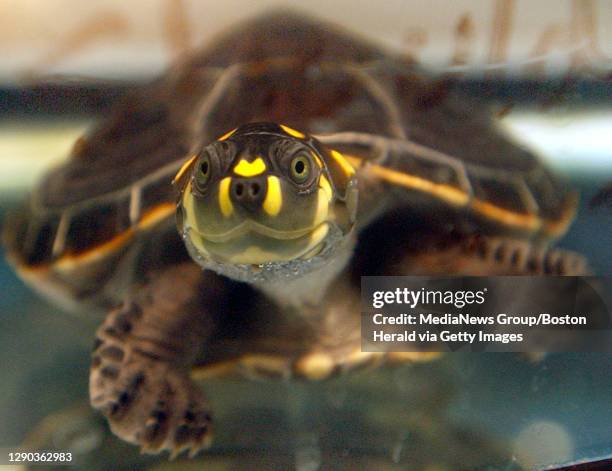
[[144, 350]]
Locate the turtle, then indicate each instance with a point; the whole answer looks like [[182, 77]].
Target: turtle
[[222, 216]]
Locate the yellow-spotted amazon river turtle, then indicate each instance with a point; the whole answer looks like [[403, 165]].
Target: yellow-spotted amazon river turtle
[[292, 158]]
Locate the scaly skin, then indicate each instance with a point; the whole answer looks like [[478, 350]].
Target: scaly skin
[[143, 354]]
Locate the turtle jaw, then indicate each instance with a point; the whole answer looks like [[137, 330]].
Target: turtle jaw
[[255, 266], [251, 243]]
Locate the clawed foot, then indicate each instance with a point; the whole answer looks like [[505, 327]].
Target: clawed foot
[[147, 401]]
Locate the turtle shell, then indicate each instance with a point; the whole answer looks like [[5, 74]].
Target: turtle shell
[[113, 198]]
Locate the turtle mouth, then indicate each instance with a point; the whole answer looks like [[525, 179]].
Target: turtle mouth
[[253, 243], [249, 226]]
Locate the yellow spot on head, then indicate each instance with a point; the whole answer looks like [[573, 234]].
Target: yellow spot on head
[[256, 255], [347, 168], [293, 132], [325, 186], [227, 135], [322, 206], [274, 197], [250, 169], [183, 169], [225, 204], [319, 234]]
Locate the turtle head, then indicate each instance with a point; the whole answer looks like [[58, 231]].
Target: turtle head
[[264, 196]]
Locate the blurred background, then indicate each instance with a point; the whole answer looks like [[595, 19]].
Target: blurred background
[[544, 66], [115, 39]]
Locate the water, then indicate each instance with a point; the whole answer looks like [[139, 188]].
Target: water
[[464, 411], [478, 411]]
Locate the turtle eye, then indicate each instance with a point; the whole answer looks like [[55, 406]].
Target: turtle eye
[[300, 169], [203, 171]]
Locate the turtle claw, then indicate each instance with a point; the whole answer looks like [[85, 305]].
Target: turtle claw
[[192, 434], [154, 406], [147, 400], [192, 448]]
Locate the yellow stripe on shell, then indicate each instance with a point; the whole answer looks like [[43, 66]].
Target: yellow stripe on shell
[[149, 219], [456, 197], [561, 225], [183, 169], [444, 192], [293, 132], [347, 168], [227, 135], [225, 204], [274, 197], [527, 222], [250, 169], [506, 217], [155, 215]]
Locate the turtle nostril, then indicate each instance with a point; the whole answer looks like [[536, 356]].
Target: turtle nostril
[[248, 192]]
